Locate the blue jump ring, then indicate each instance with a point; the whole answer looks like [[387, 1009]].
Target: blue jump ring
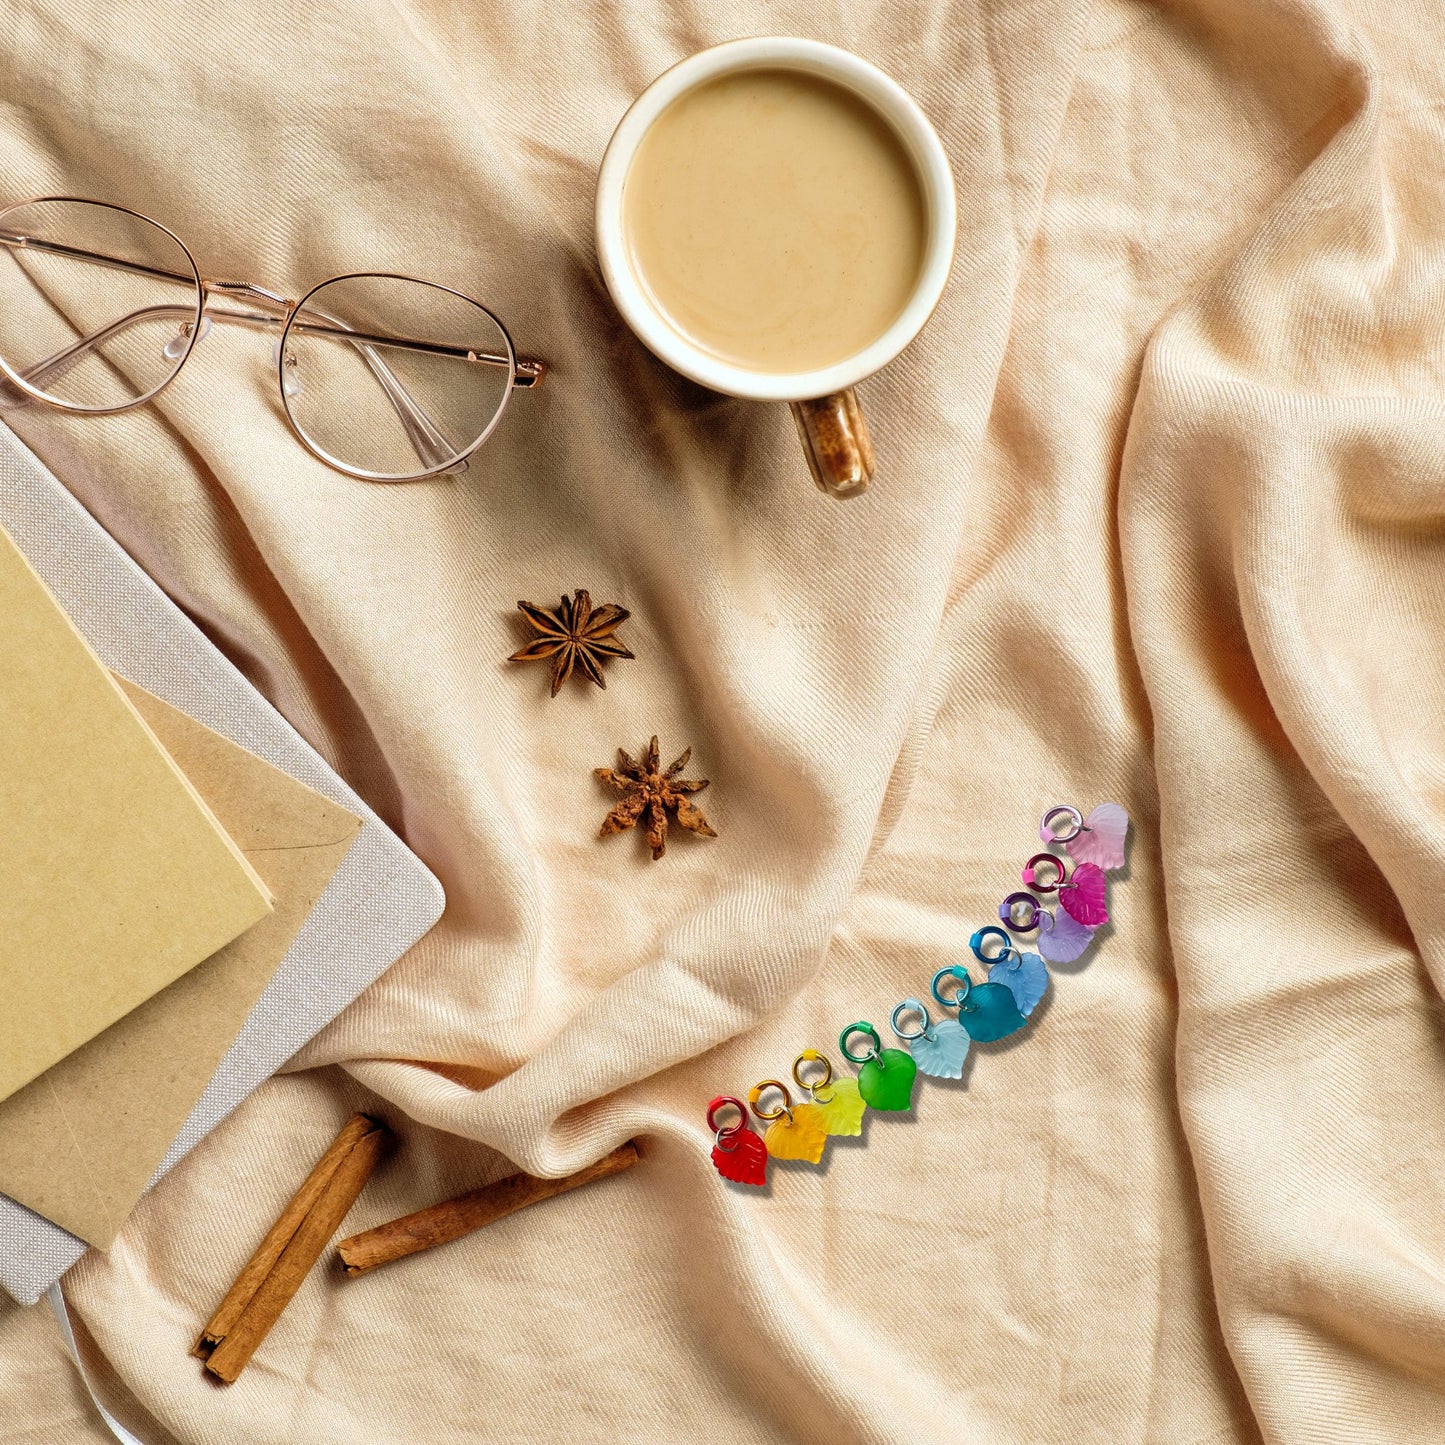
[[959, 976], [982, 936], [914, 1006]]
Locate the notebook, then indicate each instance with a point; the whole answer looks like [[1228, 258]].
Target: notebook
[[81, 1143], [117, 877], [380, 901]]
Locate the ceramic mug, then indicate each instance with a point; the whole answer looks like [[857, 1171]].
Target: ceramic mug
[[825, 406]]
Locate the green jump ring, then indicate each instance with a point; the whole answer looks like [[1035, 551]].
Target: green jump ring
[[867, 1029]]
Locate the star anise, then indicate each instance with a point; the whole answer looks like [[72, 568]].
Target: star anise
[[648, 790], [574, 635]]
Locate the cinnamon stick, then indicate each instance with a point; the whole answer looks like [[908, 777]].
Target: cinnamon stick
[[454, 1218], [279, 1236], [292, 1245]]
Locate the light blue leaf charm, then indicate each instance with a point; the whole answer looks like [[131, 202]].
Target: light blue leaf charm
[[941, 1051], [1025, 977]]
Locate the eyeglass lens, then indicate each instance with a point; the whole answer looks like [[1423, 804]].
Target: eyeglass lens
[[88, 334], [391, 377], [382, 376]]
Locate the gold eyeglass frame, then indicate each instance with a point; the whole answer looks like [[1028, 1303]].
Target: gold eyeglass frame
[[271, 311]]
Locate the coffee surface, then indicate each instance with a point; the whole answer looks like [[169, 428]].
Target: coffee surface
[[775, 220]]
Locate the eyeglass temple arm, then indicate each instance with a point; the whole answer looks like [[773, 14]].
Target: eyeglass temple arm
[[528, 370], [59, 362], [426, 439]]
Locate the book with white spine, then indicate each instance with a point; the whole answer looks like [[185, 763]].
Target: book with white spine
[[381, 900]]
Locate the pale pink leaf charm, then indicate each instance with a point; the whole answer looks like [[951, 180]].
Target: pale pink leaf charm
[[1063, 939], [1084, 896], [1102, 838]]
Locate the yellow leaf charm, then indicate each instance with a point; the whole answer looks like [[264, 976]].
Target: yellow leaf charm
[[804, 1136], [843, 1109]]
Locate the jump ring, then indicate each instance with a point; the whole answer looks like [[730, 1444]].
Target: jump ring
[[982, 936], [1031, 872], [869, 1032], [758, 1090], [961, 977], [1047, 831], [912, 1006], [1007, 916], [812, 1056], [722, 1102]]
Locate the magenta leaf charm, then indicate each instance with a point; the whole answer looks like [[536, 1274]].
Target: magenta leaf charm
[[1085, 896], [1101, 839]]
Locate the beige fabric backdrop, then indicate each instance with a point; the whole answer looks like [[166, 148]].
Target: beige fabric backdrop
[[1161, 518]]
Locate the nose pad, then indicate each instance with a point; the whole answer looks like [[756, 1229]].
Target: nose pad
[[290, 370], [175, 348]]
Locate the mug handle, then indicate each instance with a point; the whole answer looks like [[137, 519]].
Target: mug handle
[[835, 438]]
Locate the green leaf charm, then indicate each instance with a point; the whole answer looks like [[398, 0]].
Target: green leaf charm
[[886, 1082], [988, 1011]]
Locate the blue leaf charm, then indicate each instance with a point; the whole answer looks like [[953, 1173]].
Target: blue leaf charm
[[941, 1051], [1024, 976]]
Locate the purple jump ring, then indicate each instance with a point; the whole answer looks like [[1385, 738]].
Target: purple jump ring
[[1009, 919]]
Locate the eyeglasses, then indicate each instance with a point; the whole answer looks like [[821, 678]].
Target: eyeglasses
[[382, 376]]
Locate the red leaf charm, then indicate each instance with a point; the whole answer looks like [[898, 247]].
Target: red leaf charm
[[1083, 897], [741, 1157]]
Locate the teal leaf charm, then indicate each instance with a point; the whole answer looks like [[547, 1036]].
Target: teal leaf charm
[[941, 1051], [886, 1080], [1024, 976], [989, 1012]]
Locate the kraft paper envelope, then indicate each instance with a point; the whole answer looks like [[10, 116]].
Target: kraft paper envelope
[[115, 879], [82, 1142]]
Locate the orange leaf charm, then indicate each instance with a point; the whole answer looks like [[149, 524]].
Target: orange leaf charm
[[804, 1136]]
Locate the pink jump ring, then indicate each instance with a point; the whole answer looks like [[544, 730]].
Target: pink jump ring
[[1031, 872], [1076, 820]]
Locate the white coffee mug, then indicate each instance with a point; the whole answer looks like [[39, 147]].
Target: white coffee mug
[[830, 421]]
